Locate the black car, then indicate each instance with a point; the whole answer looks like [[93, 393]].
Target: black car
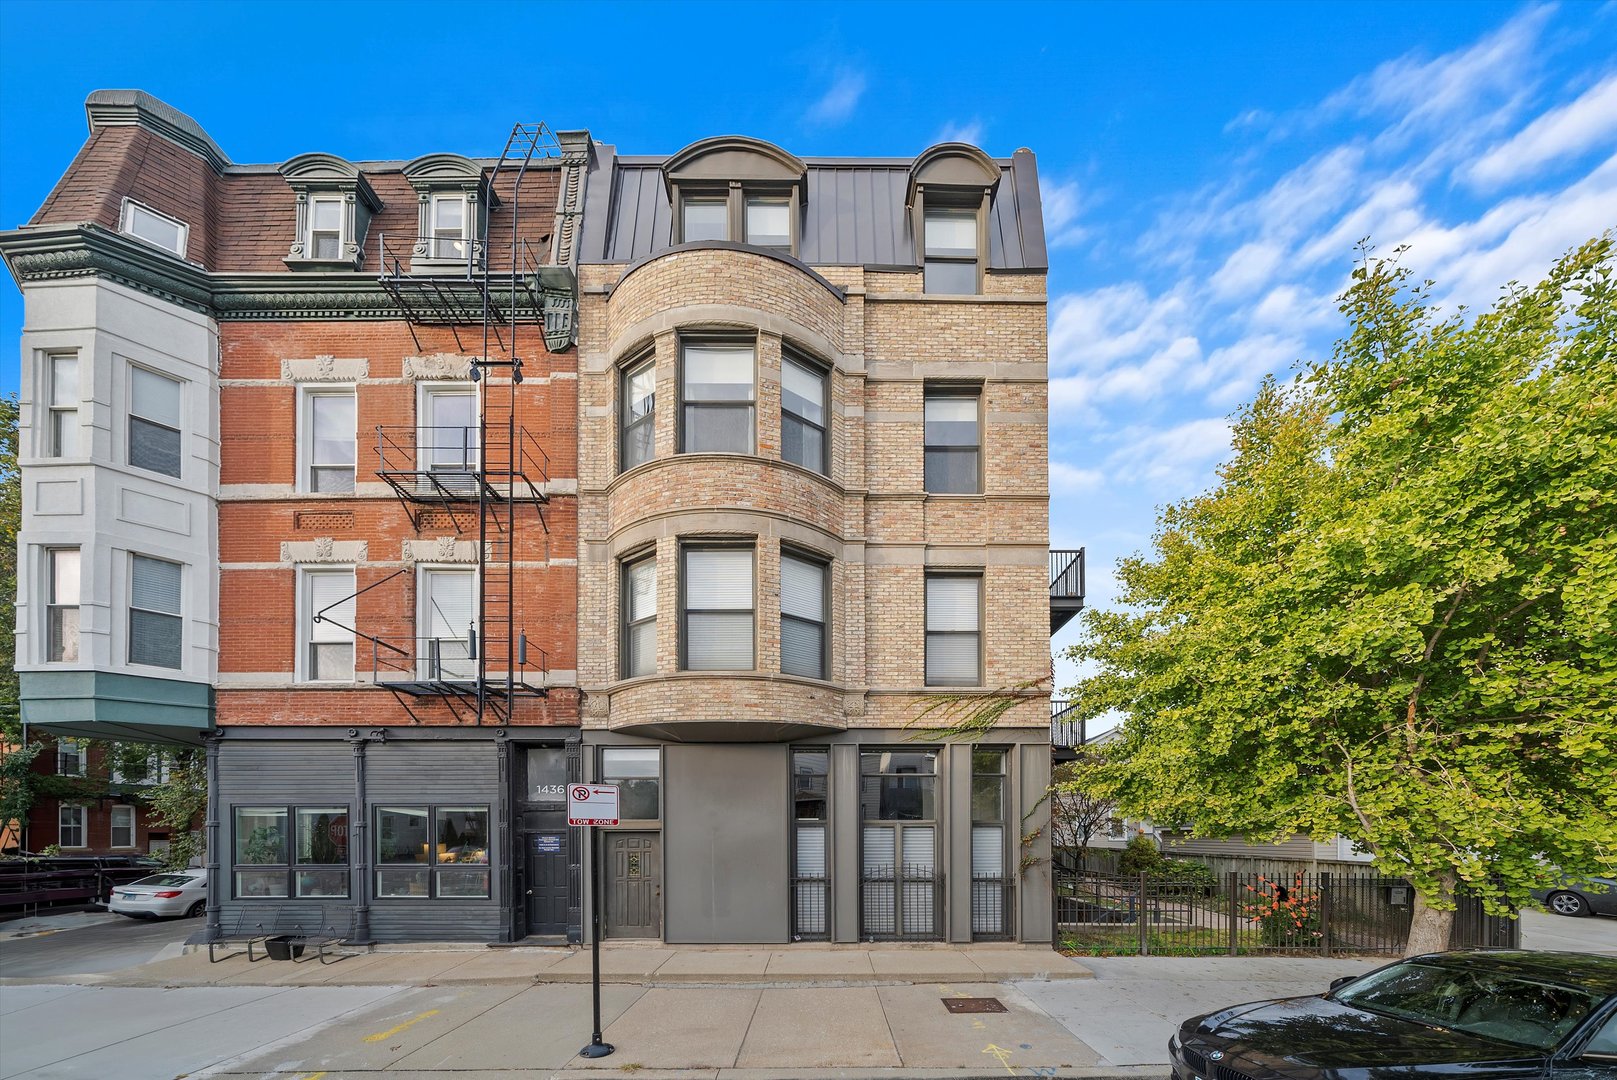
[[1495, 1014]]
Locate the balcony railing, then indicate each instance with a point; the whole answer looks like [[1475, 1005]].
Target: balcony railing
[[1066, 586], [1065, 730]]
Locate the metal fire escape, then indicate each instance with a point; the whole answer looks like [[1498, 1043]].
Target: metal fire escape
[[446, 470]]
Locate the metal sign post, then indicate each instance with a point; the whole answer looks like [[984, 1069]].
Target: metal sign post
[[590, 805]]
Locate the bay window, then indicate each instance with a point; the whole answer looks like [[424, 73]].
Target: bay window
[[718, 609]]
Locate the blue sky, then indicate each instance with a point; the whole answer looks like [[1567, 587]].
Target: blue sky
[[1207, 168]]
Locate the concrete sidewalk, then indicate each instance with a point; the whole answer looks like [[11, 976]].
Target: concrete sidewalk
[[622, 964]]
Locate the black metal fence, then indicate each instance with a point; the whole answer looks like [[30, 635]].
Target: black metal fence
[[1252, 914], [811, 906], [993, 904]]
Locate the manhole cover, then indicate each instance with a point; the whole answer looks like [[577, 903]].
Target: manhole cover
[[973, 1005]]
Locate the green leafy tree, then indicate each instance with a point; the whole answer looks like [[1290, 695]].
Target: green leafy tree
[[178, 804], [1392, 618]]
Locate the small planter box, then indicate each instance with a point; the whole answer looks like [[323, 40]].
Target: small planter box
[[282, 948]]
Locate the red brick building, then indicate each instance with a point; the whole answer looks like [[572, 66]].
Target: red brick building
[[298, 455], [87, 804]]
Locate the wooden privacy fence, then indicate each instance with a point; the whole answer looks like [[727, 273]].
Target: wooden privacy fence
[[1252, 914]]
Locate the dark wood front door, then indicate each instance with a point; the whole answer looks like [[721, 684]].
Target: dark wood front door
[[634, 885], [546, 840]]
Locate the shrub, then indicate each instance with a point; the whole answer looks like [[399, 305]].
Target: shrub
[[1286, 915], [1140, 857]]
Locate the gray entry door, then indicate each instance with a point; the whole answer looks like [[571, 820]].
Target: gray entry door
[[634, 885]]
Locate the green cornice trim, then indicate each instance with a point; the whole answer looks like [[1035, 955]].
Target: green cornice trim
[[113, 705], [61, 252]]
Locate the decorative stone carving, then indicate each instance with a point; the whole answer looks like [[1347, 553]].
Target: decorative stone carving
[[440, 549], [324, 549], [438, 366], [325, 368], [853, 705], [597, 706]]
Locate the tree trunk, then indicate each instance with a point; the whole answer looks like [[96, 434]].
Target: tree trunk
[[1429, 926]]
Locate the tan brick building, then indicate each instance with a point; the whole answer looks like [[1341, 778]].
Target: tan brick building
[[813, 500]]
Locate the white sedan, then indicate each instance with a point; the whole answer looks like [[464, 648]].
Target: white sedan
[[177, 892]]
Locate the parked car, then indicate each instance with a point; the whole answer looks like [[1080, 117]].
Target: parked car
[[1577, 898], [1485, 1013], [178, 892]]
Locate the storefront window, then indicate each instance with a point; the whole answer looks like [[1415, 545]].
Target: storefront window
[[450, 859], [322, 862], [283, 851]]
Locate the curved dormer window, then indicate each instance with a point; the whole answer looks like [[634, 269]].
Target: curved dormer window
[[736, 189], [335, 206], [453, 198], [949, 189]]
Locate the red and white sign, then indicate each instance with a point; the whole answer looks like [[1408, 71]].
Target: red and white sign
[[592, 804]]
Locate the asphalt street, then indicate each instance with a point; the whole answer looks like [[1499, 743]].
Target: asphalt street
[[106, 943]]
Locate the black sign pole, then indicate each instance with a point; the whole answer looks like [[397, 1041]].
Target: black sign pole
[[596, 1048]]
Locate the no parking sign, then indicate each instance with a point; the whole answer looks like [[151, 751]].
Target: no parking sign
[[592, 804]]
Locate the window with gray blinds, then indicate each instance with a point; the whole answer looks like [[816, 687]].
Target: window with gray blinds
[[718, 609], [328, 625], [717, 392], [154, 612], [640, 618], [953, 630], [154, 422], [802, 617]]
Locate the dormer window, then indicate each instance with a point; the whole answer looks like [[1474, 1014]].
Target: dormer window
[[736, 189], [144, 223], [335, 206], [951, 188], [325, 228], [454, 198]]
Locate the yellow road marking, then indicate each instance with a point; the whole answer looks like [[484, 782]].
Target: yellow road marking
[[392, 1031], [312, 1076], [1003, 1055]]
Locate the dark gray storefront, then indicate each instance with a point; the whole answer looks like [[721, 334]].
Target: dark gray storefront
[[864, 836], [396, 834]]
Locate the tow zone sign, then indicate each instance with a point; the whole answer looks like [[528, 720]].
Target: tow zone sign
[[592, 804]]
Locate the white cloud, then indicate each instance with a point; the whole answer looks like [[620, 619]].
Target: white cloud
[[840, 98], [1089, 331], [1062, 205], [1173, 460], [1068, 479], [970, 131], [1248, 267], [1561, 132]]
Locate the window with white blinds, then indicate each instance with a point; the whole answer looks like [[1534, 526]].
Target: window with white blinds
[[123, 827], [953, 630], [448, 608], [640, 617], [154, 612], [802, 414], [329, 441], [154, 422], [63, 435], [62, 605], [953, 446], [718, 609], [328, 625], [803, 616], [716, 390]]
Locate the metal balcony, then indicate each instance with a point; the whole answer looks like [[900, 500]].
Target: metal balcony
[[1066, 586], [1067, 733]]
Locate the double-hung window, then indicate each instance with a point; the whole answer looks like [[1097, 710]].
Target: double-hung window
[[70, 826], [639, 415], [803, 414], [803, 609], [718, 609], [439, 852], [69, 757], [953, 442], [447, 438], [291, 851], [704, 217], [154, 422], [325, 228], [329, 445], [640, 617], [62, 435], [717, 394], [62, 605], [898, 802], [990, 884], [637, 773], [950, 260], [123, 827], [154, 612], [448, 611], [154, 228], [328, 626], [449, 227], [953, 630]]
